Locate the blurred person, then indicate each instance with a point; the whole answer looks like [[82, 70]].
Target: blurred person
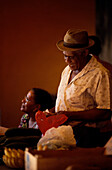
[[96, 51]]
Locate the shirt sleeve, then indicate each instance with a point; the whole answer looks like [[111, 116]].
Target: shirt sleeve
[[103, 92]]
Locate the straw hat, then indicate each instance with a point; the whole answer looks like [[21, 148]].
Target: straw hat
[[75, 40]]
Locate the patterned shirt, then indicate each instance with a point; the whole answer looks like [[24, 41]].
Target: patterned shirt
[[24, 123], [89, 89]]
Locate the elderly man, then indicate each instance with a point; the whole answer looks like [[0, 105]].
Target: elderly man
[[84, 93]]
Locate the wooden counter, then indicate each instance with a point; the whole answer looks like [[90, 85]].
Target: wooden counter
[[80, 158]]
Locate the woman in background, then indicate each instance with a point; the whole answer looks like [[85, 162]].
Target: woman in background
[[36, 99]]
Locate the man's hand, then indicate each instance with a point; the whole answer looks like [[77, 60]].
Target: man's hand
[[47, 113], [61, 112]]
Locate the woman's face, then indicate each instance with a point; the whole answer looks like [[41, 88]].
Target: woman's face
[[28, 103]]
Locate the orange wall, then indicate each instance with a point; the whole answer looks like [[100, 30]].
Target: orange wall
[[29, 57]]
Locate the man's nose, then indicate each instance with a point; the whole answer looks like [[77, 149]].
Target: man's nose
[[67, 59]]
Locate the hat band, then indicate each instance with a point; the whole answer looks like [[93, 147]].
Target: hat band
[[75, 45]]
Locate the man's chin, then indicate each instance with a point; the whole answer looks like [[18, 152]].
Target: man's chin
[[73, 68]]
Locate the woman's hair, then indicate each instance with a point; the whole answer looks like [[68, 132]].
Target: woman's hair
[[43, 98]]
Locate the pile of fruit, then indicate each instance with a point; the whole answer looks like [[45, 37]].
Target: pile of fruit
[[13, 158], [14, 142]]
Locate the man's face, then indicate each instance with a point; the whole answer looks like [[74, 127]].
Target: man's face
[[74, 59]]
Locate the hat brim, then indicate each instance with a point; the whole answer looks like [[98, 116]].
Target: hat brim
[[61, 47]]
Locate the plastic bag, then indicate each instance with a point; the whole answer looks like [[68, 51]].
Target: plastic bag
[[61, 137], [46, 123]]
